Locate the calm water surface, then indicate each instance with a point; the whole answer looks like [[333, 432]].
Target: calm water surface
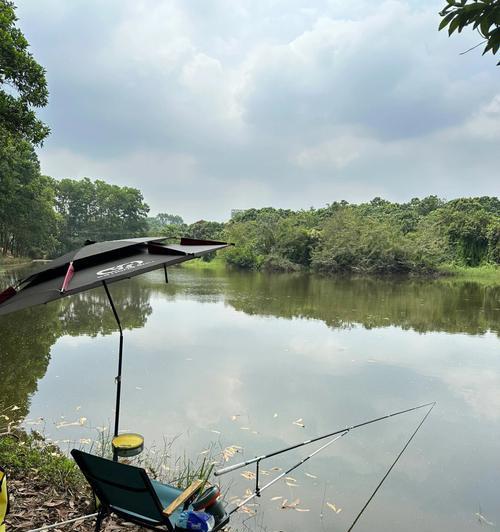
[[228, 358]]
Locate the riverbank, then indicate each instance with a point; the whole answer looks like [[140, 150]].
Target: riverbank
[[489, 273], [47, 487], [217, 263], [9, 262]]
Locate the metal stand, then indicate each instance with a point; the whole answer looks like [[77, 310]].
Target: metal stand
[[118, 378]]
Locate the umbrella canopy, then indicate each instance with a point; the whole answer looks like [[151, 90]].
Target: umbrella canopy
[[100, 263]]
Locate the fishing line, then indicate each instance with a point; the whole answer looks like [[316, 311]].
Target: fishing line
[[313, 440], [390, 468]]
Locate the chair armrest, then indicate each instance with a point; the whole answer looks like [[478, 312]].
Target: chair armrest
[[183, 497]]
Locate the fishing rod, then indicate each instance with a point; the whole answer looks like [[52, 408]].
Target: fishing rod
[[258, 490], [258, 459]]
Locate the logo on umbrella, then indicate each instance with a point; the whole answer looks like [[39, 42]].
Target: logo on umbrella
[[119, 268]]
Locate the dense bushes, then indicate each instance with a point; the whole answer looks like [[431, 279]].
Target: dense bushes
[[375, 237], [353, 242]]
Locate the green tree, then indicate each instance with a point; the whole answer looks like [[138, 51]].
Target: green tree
[[244, 235], [205, 230], [482, 15], [98, 211], [471, 227], [28, 222], [22, 82], [170, 225], [169, 219]]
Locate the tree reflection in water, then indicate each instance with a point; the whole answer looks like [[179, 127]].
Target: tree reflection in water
[[422, 305], [27, 336]]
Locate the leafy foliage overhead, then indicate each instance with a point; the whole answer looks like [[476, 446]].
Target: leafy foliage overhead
[[22, 82], [482, 15]]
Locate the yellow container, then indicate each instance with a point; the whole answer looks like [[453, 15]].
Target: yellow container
[[127, 445]]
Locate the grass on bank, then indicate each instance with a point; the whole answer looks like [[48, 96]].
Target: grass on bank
[[22, 453], [8, 261], [488, 273], [216, 264], [46, 486], [28, 455]]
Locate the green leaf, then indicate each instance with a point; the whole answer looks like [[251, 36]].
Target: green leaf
[[488, 47], [485, 26], [446, 20], [454, 25]]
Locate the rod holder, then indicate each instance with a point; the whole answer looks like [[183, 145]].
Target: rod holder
[[257, 469]]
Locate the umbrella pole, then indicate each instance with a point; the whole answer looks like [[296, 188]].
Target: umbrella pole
[[118, 379]]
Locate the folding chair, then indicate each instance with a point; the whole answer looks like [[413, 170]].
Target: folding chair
[[128, 492]]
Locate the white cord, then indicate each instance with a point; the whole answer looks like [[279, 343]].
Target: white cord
[[48, 527]]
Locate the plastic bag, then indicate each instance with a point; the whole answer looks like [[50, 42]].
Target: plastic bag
[[201, 521]]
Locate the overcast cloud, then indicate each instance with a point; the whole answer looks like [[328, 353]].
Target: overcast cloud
[[210, 105]]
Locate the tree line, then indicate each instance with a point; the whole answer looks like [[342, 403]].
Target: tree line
[[374, 237], [44, 217]]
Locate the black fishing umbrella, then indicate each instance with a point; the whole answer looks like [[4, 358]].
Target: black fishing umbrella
[[101, 263]]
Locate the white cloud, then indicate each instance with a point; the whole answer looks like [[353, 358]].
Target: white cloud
[[336, 153], [265, 102]]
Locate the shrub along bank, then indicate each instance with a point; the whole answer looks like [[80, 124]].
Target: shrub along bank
[[380, 237]]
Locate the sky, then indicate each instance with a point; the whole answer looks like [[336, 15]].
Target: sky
[[213, 105]]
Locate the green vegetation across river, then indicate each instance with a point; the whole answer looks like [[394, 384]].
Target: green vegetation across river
[[42, 217], [423, 236]]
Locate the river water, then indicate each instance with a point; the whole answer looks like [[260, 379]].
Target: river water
[[256, 362]]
